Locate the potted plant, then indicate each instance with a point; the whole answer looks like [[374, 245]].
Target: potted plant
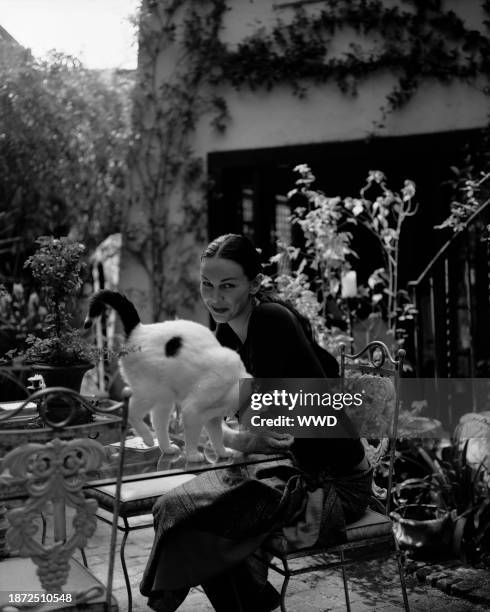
[[449, 506], [59, 352]]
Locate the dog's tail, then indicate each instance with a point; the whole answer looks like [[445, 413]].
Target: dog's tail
[[124, 308]]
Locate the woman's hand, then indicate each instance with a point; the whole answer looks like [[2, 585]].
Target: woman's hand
[[265, 442]]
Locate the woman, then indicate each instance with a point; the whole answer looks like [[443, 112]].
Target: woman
[[207, 529]]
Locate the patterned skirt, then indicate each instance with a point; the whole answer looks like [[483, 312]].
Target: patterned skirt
[[218, 519]]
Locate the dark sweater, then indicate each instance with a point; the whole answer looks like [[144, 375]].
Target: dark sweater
[[277, 347]]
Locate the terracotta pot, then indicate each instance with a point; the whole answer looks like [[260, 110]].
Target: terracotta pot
[[419, 526]]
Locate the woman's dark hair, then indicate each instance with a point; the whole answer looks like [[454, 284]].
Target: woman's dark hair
[[237, 248]]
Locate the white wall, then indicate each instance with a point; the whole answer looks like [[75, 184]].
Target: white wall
[[326, 115], [276, 118]]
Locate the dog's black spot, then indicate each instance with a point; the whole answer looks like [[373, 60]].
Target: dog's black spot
[[173, 346]]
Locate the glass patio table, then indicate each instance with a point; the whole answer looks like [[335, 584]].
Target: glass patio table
[[143, 463], [140, 462]]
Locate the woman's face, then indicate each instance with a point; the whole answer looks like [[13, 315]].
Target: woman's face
[[225, 290]]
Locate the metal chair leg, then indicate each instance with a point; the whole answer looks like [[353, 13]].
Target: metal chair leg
[[84, 556], [402, 577], [284, 587], [125, 571], [344, 577]]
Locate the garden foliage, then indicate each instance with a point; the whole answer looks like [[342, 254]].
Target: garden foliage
[[443, 477], [64, 137], [20, 315], [311, 275], [57, 268]]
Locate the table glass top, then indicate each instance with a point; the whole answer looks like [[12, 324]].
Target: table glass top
[[140, 461]]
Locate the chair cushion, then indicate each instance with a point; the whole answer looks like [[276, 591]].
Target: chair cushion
[[19, 574], [371, 525], [137, 496]]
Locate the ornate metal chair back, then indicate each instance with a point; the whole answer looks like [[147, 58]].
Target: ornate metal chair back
[[376, 374], [47, 466]]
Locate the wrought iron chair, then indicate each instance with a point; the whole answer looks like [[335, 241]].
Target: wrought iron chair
[[12, 391], [48, 467], [138, 496], [371, 536]]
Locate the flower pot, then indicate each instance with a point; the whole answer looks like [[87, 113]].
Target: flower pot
[[71, 377], [419, 526]]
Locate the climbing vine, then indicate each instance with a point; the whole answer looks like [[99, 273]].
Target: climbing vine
[[413, 41], [168, 179]]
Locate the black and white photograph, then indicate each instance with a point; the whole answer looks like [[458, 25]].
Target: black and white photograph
[[245, 305]]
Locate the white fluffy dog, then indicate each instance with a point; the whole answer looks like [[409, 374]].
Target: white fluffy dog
[[175, 361]]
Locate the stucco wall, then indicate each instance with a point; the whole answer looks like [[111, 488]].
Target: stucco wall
[[276, 118]]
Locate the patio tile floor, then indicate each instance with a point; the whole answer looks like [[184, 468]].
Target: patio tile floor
[[373, 585]]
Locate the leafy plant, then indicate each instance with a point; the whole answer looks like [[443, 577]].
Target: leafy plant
[[384, 217], [452, 484], [324, 221], [57, 267], [469, 203]]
